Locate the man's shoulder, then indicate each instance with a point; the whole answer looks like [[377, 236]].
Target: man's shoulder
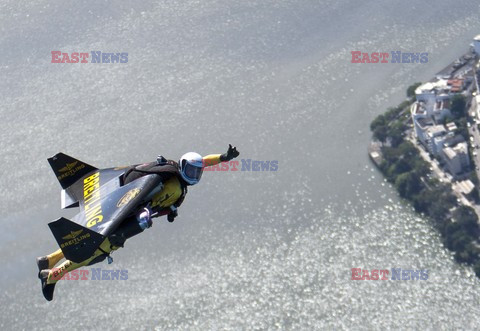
[[169, 166]]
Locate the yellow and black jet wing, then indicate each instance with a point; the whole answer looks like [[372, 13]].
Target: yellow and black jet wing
[[103, 207]]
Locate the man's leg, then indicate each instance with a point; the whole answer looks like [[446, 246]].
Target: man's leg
[[56, 274], [50, 277], [49, 261]]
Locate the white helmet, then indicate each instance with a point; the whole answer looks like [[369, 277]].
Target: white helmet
[[191, 167]]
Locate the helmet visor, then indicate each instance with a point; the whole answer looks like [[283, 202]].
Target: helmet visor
[[193, 172]]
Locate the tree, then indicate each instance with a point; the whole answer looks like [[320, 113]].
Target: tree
[[462, 128], [421, 167], [396, 133], [467, 219], [402, 166], [439, 211], [380, 133], [380, 120], [403, 105], [407, 149], [458, 240], [458, 106], [428, 201], [469, 254], [391, 113], [407, 184], [411, 89], [391, 154], [476, 268]]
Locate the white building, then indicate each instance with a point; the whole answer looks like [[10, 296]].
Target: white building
[[428, 92], [420, 120], [476, 44], [441, 109], [456, 158], [477, 105], [440, 142], [451, 127], [430, 108], [432, 132], [465, 187], [421, 126]]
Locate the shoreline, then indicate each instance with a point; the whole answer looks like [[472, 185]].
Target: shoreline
[[427, 148]]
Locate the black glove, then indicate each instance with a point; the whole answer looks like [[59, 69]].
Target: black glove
[[171, 216], [230, 154]]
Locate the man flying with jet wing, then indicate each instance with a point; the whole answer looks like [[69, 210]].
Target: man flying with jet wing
[[115, 204]]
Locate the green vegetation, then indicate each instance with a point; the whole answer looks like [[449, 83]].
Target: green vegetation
[[411, 89], [403, 166], [391, 124], [462, 128], [458, 106]]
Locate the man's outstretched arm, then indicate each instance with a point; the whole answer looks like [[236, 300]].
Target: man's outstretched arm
[[213, 159]]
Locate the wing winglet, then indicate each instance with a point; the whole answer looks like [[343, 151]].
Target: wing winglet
[[68, 169], [76, 242]]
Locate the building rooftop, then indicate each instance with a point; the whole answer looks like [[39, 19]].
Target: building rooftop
[[449, 153], [430, 86], [453, 139], [465, 186], [441, 104], [455, 82], [435, 130], [461, 148], [418, 108], [451, 126], [424, 122]]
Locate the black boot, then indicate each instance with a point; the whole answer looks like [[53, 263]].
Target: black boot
[[42, 264], [47, 289]]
